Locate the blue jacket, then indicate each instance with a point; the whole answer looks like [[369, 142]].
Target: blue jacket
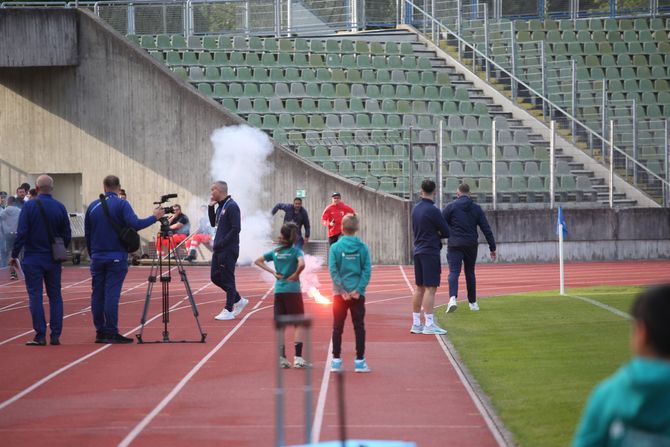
[[102, 241], [226, 219], [429, 227], [630, 408], [463, 216], [32, 234], [300, 219]]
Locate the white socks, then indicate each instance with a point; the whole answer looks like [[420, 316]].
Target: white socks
[[429, 319], [416, 318]]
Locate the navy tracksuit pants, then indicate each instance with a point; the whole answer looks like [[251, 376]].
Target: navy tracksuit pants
[[48, 274], [223, 275], [466, 256], [107, 277]]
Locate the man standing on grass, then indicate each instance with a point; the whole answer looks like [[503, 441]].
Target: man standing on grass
[[40, 222], [429, 227], [463, 217]]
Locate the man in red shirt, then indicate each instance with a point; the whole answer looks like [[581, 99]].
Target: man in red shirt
[[332, 217]]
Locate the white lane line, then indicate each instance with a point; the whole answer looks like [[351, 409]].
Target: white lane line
[[5, 309], [493, 428], [8, 307], [70, 365], [79, 312], [607, 307], [134, 433], [321, 401]]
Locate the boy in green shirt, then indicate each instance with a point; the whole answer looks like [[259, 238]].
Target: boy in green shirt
[[350, 268], [632, 407], [289, 262]]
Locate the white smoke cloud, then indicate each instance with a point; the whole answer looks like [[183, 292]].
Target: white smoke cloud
[[241, 160]]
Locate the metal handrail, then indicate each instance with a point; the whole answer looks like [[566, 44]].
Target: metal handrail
[[513, 78]]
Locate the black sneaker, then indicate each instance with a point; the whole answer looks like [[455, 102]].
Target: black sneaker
[[189, 258], [54, 341], [118, 339], [100, 337], [13, 276], [37, 342]]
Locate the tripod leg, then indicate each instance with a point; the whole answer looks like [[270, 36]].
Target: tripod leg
[[189, 294], [151, 281]]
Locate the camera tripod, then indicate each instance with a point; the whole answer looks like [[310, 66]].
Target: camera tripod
[[162, 271]]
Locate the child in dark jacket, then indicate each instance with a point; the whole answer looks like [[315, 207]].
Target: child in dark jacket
[[350, 268]]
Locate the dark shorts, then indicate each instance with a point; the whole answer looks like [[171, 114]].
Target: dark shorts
[[289, 304], [427, 270]]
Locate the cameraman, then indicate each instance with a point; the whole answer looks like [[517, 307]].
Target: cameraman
[[109, 259], [180, 226]]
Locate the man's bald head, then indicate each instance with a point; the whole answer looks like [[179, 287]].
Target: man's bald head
[[44, 184]]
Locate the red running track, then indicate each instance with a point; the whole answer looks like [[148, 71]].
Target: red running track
[[222, 392]]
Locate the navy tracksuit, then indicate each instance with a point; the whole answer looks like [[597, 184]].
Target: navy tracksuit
[[463, 217], [109, 259], [38, 264], [300, 219], [226, 250], [429, 227]]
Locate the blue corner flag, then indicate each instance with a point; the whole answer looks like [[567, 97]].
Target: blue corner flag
[[561, 221]]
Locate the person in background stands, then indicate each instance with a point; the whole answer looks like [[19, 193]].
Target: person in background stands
[[298, 215], [9, 222], [332, 217], [39, 266]]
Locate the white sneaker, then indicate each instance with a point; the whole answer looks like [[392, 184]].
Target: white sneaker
[[452, 306], [300, 362], [433, 329], [284, 363], [417, 329], [225, 315], [239, 306], [474, 306]]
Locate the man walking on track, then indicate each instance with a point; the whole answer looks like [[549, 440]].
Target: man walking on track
[[429, 227], [298, 215], [464, 216], [109, 258], [35, 234], [224, 214], [332, 217]]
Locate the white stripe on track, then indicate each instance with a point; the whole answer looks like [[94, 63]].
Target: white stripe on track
[[607, 307], [497, 435], [5, 309], [70, 365], [321, 401], [135, 432]]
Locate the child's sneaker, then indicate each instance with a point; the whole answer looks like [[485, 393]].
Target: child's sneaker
[[336, 365], [300, 362], [284, 363], [361, 366]]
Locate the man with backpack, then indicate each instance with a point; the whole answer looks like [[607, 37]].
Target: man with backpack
[[109, 256]]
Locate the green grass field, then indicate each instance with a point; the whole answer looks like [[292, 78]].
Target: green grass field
[[539, 355]]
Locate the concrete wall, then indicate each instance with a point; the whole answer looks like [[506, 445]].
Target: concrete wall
[[38, 38], [594, 234], [121, 112]]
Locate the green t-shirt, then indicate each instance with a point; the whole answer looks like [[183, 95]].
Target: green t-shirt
[[286, 263]]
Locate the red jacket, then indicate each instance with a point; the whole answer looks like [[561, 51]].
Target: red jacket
[[334, 213]]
